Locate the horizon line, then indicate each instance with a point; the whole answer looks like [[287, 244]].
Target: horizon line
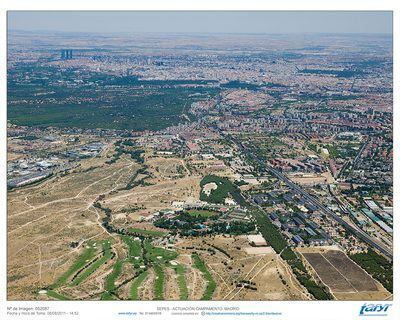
[[200, 32]]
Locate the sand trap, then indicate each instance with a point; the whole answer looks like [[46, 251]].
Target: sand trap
[[207, 188]]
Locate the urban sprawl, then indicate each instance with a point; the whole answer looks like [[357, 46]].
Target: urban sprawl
[[188, 167]]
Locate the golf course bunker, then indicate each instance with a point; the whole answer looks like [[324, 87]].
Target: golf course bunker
[[207, 188]]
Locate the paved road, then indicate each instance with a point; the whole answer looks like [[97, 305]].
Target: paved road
[[359, 233]]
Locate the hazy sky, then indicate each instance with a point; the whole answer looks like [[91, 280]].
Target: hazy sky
[[206, 22]]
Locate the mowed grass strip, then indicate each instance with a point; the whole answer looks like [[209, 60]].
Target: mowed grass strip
[[211, 285], [94, 266], [150, 233], [56, 295], [159, 283], [134, 250], [83, 259], [113, 276], [133, 245], [107, 296], [158, 254], [134, 295], [183, 290]]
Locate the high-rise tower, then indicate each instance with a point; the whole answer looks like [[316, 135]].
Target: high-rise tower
[[66, 54]]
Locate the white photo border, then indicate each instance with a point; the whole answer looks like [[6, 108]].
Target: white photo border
[[310, 310]]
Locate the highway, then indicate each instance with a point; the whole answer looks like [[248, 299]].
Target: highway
[[359, 233], [355, 162]]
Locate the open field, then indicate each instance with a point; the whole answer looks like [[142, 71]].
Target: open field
[[50, 223], [87, 259], [231, 266], [345, 279], [311, 179], [154, 233], [201, 213], [165, 185]]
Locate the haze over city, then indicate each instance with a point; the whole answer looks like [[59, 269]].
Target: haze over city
[[204, 22]]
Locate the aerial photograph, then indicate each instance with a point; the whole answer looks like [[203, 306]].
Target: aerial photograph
[[199, 155]]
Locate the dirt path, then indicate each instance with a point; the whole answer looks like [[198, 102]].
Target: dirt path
[[289, 272], [70, 198], [261, 269]]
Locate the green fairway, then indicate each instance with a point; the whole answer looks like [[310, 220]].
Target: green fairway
[[150, 233], [157, 254], [134, 249], [95, 265], [56, 295], [83, 259], [110, 280], [136, 284], [180, 271], [107, 296], [134, 257], [199, 264], [159, 283]]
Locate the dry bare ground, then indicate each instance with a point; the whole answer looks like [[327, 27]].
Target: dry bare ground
[[345, 279], [44, 221]]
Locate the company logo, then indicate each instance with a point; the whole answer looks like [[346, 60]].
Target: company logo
[[374, 309]]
